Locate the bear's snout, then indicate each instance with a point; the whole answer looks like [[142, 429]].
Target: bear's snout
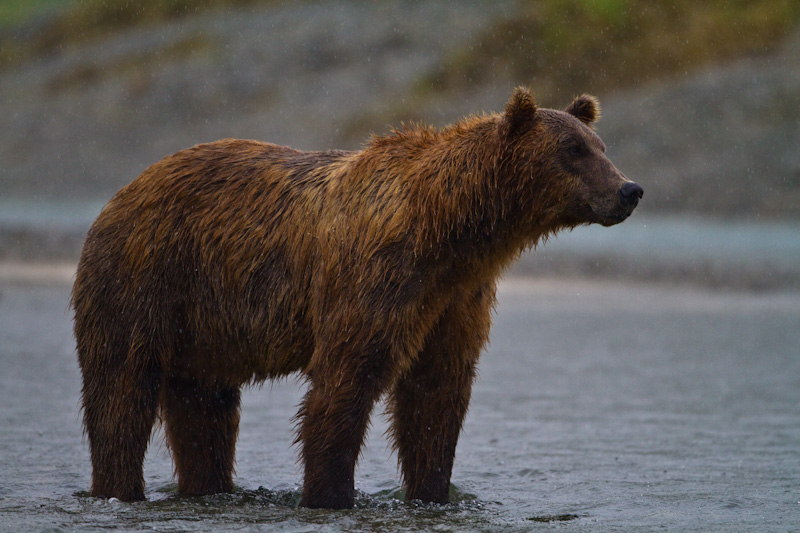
[[630, 194]]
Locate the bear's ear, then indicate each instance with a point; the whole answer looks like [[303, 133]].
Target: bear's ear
[[585, 108], [520, 113]]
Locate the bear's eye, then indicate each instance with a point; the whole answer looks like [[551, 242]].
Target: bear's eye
[[575, 150]]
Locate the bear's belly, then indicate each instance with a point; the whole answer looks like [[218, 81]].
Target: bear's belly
[[233, 360]]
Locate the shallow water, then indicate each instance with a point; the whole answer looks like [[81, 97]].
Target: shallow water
[[598, 407]]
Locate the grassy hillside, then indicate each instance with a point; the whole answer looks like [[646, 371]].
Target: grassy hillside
[[604, 44], [75, 16], [582, 43], [71, 21], [14, 12]]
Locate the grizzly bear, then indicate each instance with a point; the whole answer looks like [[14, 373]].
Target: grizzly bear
[[370, 272]]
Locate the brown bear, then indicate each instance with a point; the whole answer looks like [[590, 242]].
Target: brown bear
[[370, 272]]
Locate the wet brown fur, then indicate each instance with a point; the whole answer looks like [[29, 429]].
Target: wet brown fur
[[370, 272]]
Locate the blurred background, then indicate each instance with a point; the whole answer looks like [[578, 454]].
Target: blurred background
[[669, 403], [701, 105]]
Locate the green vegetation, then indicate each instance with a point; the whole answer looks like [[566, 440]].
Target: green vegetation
[[86, 18], [107, 14], [557, 45], [15, 11], [601, 44], [78, 20]]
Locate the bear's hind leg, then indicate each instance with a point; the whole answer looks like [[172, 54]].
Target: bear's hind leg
[[119, 413], [201, 423]]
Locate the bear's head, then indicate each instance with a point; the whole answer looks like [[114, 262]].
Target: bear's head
[[573, 174]]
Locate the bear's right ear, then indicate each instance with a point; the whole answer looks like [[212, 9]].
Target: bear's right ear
[[520, 113]]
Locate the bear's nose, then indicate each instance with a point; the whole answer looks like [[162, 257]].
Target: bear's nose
[[630, 193]]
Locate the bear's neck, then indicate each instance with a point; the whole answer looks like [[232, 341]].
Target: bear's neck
[[469, 208]]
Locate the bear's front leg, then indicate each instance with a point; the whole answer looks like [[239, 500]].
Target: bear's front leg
[[429, 402], [333, 421]]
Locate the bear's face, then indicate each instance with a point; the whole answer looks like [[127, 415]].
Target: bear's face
[[589, 188]]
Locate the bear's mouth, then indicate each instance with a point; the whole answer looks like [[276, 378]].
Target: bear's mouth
[[606, 217], [615, 219]]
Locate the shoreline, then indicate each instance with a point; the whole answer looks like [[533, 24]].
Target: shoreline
[[520, 278], [674, 250], [14, 272]]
